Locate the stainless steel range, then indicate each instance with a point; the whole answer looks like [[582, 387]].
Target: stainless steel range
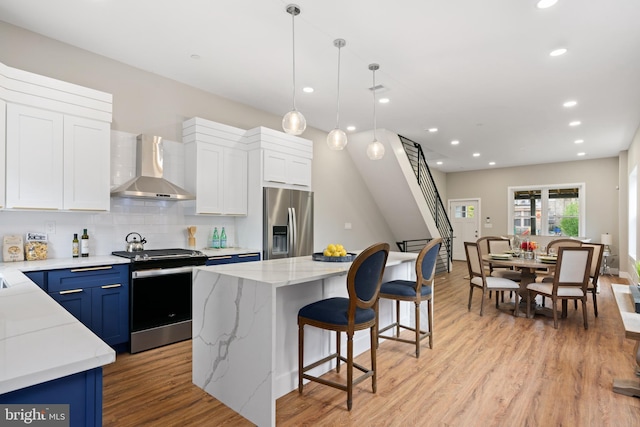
[[160, 296]]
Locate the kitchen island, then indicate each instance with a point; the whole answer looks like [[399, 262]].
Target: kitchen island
[[46, 355], [245, 329]]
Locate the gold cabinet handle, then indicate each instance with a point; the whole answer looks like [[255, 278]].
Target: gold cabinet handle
[[79, 270], [115, 285], [220, 257], [246, 255], [72, 291]]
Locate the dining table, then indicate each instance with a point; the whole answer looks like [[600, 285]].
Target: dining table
[[530, 268]]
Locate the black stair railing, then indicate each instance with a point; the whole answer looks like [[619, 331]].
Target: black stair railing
[[431, 195], [443, 262]]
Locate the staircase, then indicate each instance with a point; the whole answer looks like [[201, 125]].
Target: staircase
[[405, 192]]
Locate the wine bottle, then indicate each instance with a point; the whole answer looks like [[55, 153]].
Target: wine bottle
[[84, 245], [75, 246], [223, 239]]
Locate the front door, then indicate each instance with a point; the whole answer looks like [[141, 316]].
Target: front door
[[465, 220]]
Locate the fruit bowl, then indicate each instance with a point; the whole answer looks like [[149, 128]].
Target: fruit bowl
[[318, 256]]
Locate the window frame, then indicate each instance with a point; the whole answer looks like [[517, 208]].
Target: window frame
[[544, 205]]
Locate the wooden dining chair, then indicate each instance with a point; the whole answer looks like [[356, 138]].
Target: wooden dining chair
[[339, 314], [479, 279], [570, 281], [553, 246], [594, 275], [414, 291]]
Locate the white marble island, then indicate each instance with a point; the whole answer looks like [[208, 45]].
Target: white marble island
[[245, 331], [46, 354]]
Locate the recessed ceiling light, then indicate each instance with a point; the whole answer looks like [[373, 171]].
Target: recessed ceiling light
[[578, 141], [492, 163], [543, 4], [195, 56], [570, 104], [433, 130], [575, 123], [558, 52], [307, 89], [476, 154], [351, 128], [384, 100], [582, 153], [455, 142], [438, 163]]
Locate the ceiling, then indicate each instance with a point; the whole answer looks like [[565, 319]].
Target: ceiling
[[480, 72]]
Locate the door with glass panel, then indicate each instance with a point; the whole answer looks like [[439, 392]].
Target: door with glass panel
[[465, 220]]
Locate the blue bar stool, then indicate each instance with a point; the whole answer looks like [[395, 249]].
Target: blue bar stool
[[355, 313], [414, 291]]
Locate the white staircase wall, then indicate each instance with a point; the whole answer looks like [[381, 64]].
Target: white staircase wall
[[393, 185]]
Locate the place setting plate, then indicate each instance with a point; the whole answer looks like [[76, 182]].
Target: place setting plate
[[500, 256], [548, 259]]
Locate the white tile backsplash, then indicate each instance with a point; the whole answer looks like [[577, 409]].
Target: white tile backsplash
[[162, 223]]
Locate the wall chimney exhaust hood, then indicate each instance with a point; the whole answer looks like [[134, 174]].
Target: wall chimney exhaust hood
[[149, 183]]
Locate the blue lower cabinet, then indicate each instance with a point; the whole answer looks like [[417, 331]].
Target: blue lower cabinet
[[81, 391], [231, 259], [76, 302], [38, 277], [98, 297], [110, 313]]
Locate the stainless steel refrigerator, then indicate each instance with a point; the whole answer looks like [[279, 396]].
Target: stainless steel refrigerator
[[288, 223]]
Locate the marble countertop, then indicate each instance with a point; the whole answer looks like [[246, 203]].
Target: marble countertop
[[229, 251], [39, 339], [58, 263], [290, 271]]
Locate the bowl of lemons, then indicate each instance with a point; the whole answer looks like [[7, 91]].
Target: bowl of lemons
[[334, 253]]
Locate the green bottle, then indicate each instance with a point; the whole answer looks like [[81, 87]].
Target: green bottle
[[223, 239], [215, 241]]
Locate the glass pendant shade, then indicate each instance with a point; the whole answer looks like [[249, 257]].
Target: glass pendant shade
[[294, 122], [337, 139], [375, 150]]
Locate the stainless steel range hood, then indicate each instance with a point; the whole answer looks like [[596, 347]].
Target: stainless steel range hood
[[149, 183]]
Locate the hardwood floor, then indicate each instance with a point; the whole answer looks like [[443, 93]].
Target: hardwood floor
[[494, 370]]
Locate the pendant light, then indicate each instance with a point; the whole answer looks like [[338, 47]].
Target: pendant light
[[337, 139], [294, 122], [375, 150]]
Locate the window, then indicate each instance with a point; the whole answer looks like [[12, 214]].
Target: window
[[554, 210], [633, 214], [465, 211]]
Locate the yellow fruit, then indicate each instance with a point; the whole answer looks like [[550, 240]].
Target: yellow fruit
[[326, 252], [339, 247], [331, 247], [343, 252]]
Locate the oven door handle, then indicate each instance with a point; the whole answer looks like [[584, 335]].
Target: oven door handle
[[160, 272]]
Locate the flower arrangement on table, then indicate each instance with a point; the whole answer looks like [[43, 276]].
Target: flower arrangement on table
[[528, 246]]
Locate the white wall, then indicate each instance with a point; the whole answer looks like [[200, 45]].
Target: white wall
[[601, 178], [147, 103]]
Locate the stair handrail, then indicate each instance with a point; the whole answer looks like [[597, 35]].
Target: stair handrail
[[430, 192]]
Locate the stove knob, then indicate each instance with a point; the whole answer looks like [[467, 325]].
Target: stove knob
[[137, 257], [145, 257]]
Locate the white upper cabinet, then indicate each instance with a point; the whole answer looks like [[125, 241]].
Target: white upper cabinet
[[3, 133], [86, 164], [57, 143], [34, 158], [286, 159], [215, 167]]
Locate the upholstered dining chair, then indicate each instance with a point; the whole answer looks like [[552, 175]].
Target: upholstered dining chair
[[570, 281], [339, 314], [414, 291], [479, 279], [553, 246], [594, 275]]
